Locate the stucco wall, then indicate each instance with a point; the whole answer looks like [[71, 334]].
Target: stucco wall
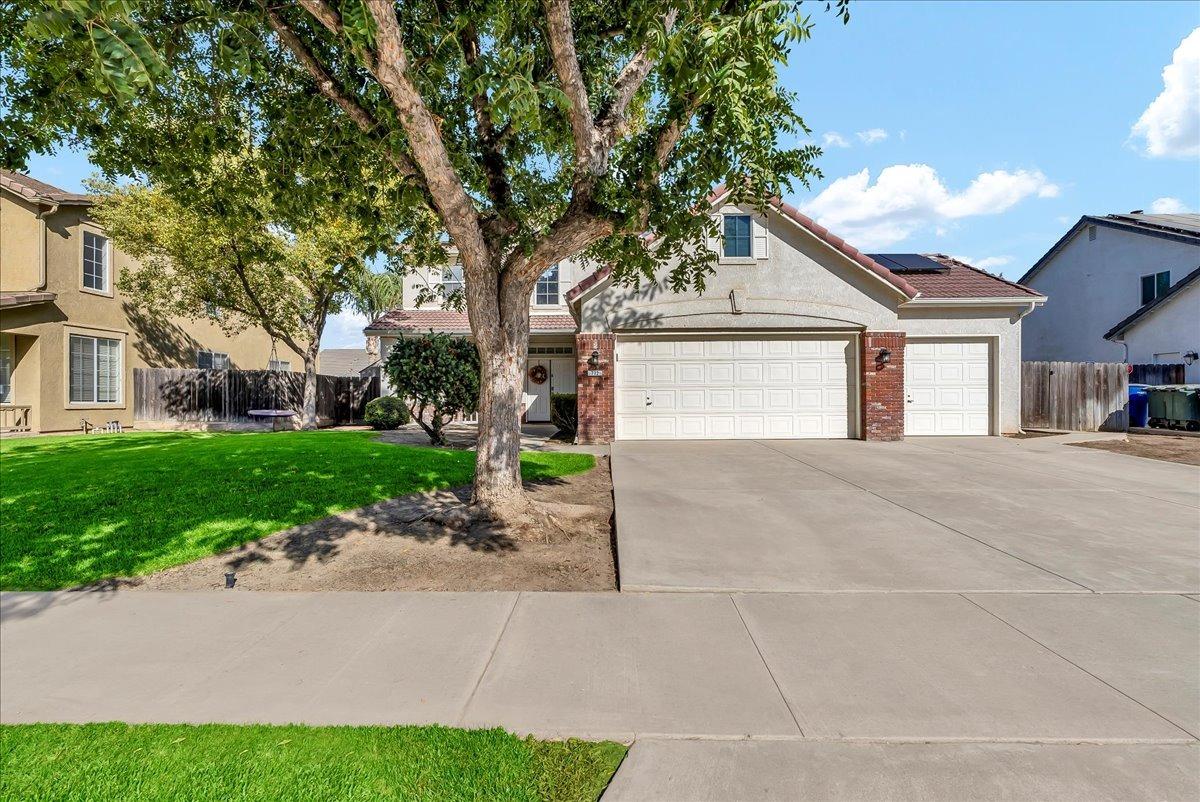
[[569, 274], [20, 244], [804, 284], [1091, 286], [148, 341], [1173, 328]]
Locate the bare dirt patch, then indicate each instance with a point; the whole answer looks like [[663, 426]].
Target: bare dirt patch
[[1170, 448], [392, 545]]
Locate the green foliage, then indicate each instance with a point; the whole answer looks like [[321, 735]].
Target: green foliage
[[258, 763], [563, 412], [75, 510], [385, 412], [160, 87], [376, 293], [438, 375]]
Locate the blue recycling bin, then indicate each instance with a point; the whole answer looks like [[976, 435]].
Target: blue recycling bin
[[1139, 405]]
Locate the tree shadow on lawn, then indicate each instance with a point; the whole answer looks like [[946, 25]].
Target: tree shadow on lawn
[[70, 522]]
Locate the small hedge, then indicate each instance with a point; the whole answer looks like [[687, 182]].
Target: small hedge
[[564, 412], [386, 412]]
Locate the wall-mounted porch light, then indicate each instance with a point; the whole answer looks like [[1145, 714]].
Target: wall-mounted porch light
[[884, 357], [1190, 357], [594, 359]]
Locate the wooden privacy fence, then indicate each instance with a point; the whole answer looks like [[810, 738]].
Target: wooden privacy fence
[[1075, 396], [1156, 374], [225, 396]]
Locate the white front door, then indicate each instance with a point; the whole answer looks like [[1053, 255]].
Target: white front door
[[539, 410], [947, 387], [735, 386]]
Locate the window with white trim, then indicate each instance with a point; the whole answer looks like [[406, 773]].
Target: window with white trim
[[7, 357], [1155, 285], [281, 365], [95, 262], [452, 280], [546, 293], [736, 242], [212, 360], [95, 370]]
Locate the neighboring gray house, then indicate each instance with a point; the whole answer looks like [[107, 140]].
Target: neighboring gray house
[[1166, 330], [345, 361], [1102, 272], [797, 334]]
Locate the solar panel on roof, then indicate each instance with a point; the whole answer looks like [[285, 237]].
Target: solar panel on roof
[[908, 263]]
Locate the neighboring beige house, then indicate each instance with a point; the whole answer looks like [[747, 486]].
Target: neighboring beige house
[[69, 340]]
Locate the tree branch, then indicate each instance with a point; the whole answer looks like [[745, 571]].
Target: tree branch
[[446, 189], [263, 315], [494, 167], [333, 91], [612, 122], [590, 157]]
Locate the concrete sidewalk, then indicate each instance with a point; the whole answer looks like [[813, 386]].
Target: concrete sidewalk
[[830, 675]]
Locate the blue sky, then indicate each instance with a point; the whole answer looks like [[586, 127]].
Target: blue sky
[[985, 129]]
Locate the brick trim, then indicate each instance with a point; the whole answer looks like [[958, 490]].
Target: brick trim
[[882, 386], [595, 394]]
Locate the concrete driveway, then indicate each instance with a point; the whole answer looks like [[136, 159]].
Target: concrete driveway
[[943, 515]]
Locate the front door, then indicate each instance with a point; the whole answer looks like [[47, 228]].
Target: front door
[[539, 410]]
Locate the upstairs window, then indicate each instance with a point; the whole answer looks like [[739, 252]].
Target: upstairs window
[[452, 280], [212, 360], [737, 236], [547, 288], [95, 262], [280, 365], [1155, 285]]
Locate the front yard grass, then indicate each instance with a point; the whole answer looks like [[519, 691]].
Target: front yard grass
[[75, 510], [219, 762]]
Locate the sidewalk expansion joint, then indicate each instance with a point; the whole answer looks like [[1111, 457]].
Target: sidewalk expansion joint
[[770, 673], [491, 656]]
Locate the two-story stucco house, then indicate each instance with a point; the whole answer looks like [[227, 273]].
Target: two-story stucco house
[[69, 339], [798, 334], [1120, 289]]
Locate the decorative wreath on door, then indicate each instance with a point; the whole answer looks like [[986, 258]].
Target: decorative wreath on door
[[538, 374]]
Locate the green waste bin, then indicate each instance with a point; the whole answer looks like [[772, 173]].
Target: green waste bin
[[1175, 406]]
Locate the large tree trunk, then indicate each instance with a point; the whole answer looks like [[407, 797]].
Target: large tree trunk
[[497, 489]]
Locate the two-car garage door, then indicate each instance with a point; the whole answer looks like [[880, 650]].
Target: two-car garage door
[[723, 387]]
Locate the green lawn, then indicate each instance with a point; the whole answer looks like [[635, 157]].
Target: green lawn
[[225, 762], [78, 509]]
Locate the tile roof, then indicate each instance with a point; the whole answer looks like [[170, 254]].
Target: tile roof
[[11, 300], [964, 281], [32, 189], [416, 321]]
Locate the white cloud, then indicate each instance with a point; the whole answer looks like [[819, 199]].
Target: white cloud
[[1168, 206], [871, 136], [987, 262], [344, 330], [906, 198], [1170, 125], [833, 139]]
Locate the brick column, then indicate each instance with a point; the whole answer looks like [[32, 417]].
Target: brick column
[[594, 394], [882, 386]]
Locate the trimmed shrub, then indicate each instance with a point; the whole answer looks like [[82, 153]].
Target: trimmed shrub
[[564, 412], [385, 412], [438, 375]]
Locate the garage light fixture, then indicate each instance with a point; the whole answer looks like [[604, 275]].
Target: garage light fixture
[[885, 356], [1190, 357], [594, 359]]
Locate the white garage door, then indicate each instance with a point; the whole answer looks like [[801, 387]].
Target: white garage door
[[734, 387], [947, 387]]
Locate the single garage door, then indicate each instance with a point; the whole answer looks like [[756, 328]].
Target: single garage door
[[725, 387], [948, 387]]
